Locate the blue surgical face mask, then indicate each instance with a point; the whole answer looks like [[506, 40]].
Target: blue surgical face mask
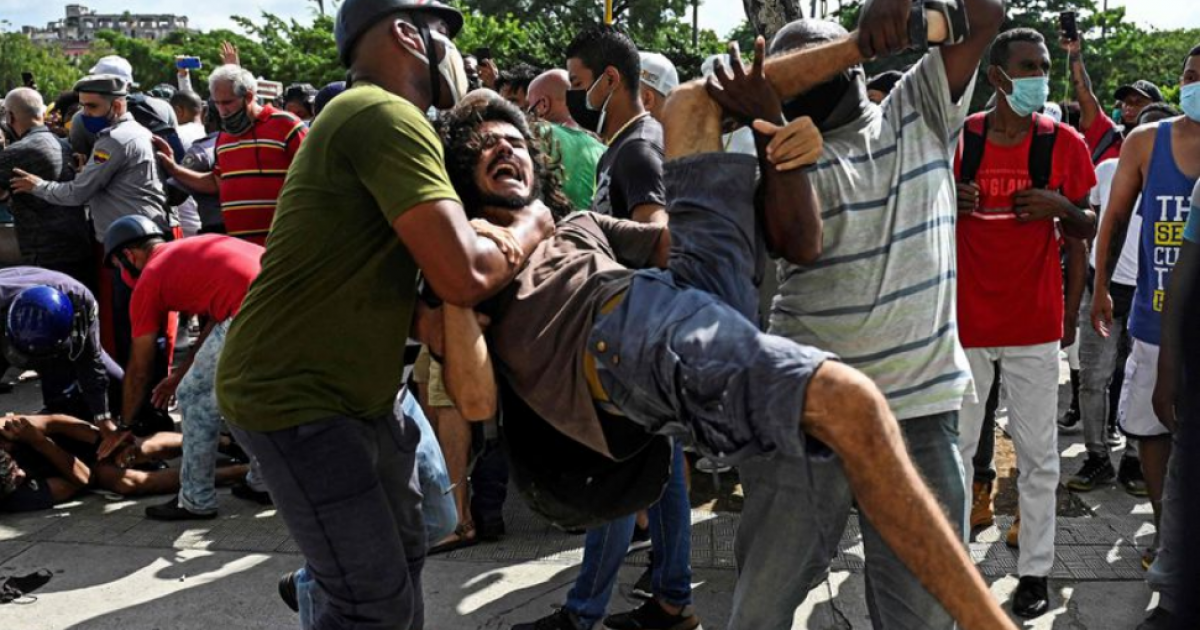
[[1189, 99], [96, 124], [1028, 94]]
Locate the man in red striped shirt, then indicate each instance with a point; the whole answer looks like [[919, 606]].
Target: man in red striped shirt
[[253, 151]]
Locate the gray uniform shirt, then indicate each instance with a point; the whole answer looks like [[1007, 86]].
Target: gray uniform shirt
[[119, 179]]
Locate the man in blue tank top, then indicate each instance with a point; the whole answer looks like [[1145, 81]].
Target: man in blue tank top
[[1162, 163]]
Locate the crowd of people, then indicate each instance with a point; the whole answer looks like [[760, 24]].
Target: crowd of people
[[590, 279]]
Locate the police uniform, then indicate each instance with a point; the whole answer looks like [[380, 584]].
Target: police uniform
[[121, 176]]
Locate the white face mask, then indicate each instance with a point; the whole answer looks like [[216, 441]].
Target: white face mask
[[450, 67]]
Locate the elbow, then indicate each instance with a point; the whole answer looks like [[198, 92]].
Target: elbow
[[467, 290]]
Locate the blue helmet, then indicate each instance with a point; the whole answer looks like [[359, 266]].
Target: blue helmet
[[40, 321]]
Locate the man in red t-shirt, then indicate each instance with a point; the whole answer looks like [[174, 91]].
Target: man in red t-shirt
[[1010, 287], [254, 151], [208, 276]]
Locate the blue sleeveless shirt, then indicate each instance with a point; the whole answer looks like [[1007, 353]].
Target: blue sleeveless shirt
[[1166, 201]]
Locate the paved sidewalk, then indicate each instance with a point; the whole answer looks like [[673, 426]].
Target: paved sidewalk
[[115, 569]]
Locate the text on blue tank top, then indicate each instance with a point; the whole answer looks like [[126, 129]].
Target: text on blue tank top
[[1166, 201]]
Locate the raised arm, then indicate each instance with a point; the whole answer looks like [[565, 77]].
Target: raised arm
[[1089, 105]]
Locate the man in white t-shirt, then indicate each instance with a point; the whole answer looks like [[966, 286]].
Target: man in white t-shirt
[[1102, 359]]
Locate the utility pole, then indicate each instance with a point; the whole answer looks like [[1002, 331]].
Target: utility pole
[[695, 24]]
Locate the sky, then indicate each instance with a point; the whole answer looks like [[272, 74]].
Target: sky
[[718, 15]]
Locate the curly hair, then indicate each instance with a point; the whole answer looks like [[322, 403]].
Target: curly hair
[[459, 130]]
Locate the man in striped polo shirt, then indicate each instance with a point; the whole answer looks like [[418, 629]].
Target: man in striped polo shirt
[[881, 296], [253, 153]]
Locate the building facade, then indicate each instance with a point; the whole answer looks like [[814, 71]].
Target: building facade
[[75, 32]]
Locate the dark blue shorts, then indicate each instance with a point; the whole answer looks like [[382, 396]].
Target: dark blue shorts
[[682, 352]]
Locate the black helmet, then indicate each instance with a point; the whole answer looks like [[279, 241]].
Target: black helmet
[[356, 16], [129, 230], [303, 92]]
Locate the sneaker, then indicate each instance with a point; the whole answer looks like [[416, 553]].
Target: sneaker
[[651, 616], [287, 590], [981, 507], [1096, 470], [1158, 619], [1032, 597], [1013, 538], [1069, 423], [561, 619], [640, 540], [644, 587], [1148, 557], [244, 491], [1114, 437], [171, 511], [1129, 475]]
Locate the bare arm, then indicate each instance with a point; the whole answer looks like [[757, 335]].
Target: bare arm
[[75, 473], [195, 181], [791, 211], [470, 380], [1089, 105], [1126, 186], [463, 267], [137, 381], [962, 60], [1076, 278]]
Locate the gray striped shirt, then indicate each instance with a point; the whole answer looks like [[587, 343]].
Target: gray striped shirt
[[882, 295]]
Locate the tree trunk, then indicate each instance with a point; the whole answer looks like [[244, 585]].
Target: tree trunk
[[768, 16]]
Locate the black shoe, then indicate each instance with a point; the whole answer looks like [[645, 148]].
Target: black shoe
[[640, 540], [562, 619], [1159, 619], [244, 491], [489, 531], [1096, 470], [1129, 475], [1032, 597], [651, 616], [287, 590], [170, 511], [1069, 423], [644, 587]]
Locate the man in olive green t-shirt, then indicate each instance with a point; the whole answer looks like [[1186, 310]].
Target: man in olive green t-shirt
[[314, 359], [578, 151]]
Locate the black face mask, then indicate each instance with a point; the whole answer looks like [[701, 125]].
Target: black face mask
[[819, 102], [581, 113]]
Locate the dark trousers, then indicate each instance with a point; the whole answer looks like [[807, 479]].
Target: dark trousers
[[349, 492], [985, 455]]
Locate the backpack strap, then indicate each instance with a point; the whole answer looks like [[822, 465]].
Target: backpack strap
[[1041, 150], [974, 140], [1107, 141]]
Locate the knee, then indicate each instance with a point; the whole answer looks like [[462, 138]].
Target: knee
[[842, 404], [690, 103]]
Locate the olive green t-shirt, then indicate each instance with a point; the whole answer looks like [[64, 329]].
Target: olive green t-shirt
[[323, 328], [579, 152]]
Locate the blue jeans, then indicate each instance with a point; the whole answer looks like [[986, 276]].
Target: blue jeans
[[606, 547], [795, 511]]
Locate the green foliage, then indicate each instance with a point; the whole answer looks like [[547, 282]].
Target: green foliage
[[51, 69]]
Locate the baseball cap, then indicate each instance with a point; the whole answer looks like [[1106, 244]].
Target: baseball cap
[[115, 64], [658, 73], [1145, 88]]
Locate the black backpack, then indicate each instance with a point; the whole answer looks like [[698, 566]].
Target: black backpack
[[1041, 149]]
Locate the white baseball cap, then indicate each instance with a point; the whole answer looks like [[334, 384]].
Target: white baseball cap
[[1053, 111], [116, 65], [658, 73]]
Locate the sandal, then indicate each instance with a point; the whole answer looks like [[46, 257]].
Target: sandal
[[463, 537]]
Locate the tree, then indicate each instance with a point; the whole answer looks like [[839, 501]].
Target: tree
[[51, 69]]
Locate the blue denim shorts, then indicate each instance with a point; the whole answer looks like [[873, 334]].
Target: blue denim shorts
[[682, 353]]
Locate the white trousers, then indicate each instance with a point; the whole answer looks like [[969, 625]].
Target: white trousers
[[1030, 376]]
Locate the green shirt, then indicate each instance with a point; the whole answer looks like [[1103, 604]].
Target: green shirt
[[579, 152], [322, 330]]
